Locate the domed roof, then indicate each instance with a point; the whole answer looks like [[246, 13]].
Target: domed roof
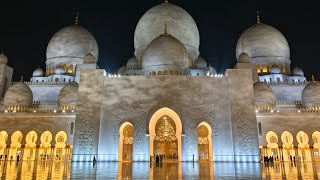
[[200, 63], [89, 59], [18, 95], [68, 94], [165, 50], [263, 94], [297, 72], [38, 72], [275, 70], [311, 94], [261, 40], [122, 71], [180, 23], [59, 70], [133, 63], [244, 58], [72, 41], [3, 58]]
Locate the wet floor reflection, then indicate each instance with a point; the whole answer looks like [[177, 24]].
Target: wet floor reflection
[[166, 170]]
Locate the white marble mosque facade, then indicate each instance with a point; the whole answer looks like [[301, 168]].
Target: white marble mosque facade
[[74, 108]]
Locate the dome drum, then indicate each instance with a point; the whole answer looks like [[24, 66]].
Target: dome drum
[[165, 70]]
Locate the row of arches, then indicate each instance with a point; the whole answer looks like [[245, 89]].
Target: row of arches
[[165, 130], [287, 151], [47, 149], [264, 68], [165, 73], [70, 69]]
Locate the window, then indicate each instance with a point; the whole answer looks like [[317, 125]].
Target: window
[[72, 128], [259, 129]]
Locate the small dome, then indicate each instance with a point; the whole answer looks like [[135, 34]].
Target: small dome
[[59, 70], [3, 58], [122, 71], [263, 94], [261, 40], [297, 72], [275, 70], [18, 95], [68, 95], [200, 63], [89, 59], [133, 63], [244, 58], [38, 73], [165, 52], [311, 94]]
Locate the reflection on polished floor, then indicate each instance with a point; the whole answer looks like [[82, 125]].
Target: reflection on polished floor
[[166, 170]]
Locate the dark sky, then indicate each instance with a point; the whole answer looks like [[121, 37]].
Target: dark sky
[[27, 26]]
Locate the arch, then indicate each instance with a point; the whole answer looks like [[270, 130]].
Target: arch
[[272, 140], [303, 147], [171, 73], [152, 127], [30, 147], [165, 73], [60, 146], [45, 145], [316, 145], [154, 73], [207, 140], [124, 140], [64, 67], [264, 68], [56, 80], [176, 73], [15, 146], [3, 143], [287, 146], [258, 68], [70, 69]]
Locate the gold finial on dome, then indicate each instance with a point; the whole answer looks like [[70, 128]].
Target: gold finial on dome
[[258, 17], [76, 20]]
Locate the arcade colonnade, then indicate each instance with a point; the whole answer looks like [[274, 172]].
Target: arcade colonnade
[[282, 148], [12, 146], [165, 131]]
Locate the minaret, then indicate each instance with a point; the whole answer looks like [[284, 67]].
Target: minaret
[[258, 17]]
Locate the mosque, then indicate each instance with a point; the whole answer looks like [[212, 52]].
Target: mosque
[[166, 100]]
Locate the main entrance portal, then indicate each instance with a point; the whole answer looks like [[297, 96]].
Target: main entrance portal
[[165, 142]]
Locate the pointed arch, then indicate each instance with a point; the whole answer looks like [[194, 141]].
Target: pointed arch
[[178, 127], [15, 146], [122, 153], [3, 142], [205, 139]]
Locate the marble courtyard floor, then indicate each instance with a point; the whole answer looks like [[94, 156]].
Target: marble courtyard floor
[[168, 170]]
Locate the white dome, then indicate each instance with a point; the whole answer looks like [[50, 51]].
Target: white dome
[[122, 71], [275, 70], [200, 63], [311, 94], [3, 58], [133, 63], [18, 95], [59, 70], [298, 72], [70, 45], [180, 24], [68, 94], [89, 59], [261, 40], [38, 73], [263, 94], [244, 58], [165, 53]]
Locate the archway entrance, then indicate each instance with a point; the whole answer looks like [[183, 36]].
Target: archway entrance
[[165, 130], [126, 132], [165, 142], [30, 147], [204, 142]]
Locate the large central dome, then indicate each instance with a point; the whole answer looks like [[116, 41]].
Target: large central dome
[[180, 23]]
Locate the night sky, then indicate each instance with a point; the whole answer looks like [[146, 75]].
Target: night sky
[[26, 28]]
